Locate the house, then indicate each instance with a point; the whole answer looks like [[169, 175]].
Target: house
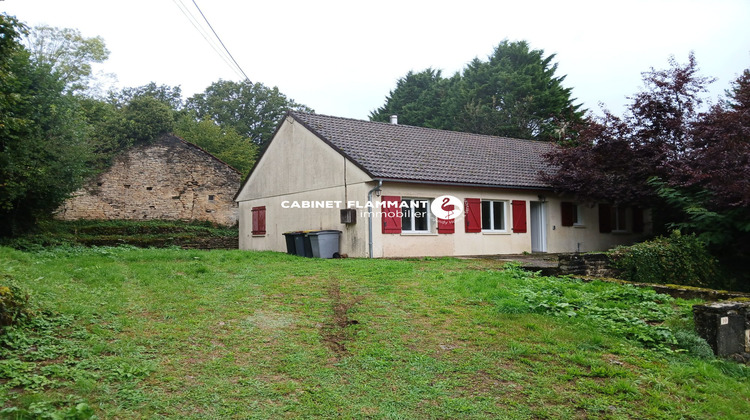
[[169, 179], [385, 187]]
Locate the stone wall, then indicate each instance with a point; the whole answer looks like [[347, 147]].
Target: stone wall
[[170, 179], [594, 265]]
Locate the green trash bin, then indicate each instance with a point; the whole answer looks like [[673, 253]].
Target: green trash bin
[[302, 244], [306, 245], [324, 243], [291, 248]]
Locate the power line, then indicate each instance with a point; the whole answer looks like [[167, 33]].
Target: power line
[[220, 49], [220, 41], [206, 36]]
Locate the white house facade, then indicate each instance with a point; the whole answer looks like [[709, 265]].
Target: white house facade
[[386, 187]]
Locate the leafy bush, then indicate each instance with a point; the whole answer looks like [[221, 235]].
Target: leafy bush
[[14, 302], [694, 344], [676, 259], [637, 314], [45, 410]]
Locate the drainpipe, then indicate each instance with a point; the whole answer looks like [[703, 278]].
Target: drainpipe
[[369, 219]]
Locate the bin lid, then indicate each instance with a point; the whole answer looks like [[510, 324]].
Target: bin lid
[[323, 232], [296, 232]]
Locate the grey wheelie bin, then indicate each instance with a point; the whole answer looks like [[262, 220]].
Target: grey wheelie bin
[[324, 243]]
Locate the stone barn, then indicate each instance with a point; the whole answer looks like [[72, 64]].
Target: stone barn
[[169, 179]]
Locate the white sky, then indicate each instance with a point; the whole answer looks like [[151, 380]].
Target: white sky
[[342, 58]]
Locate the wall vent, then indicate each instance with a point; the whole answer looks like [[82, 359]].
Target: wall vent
[[349, 216]]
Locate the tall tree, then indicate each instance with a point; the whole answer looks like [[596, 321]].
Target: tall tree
[[251, 109], [44, 154], [515, 93], [104, 122], [67, 53], [169, 95], [419, 99], [146, 119], [10, 49], [225, 143]]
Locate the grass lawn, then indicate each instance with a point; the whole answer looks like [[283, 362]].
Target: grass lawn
[[136, 333]]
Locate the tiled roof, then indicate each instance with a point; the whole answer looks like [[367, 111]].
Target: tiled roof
[[392, 151]]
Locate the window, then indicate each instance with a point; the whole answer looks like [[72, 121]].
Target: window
[[415, 215], [638, 220], [572, 214], [210, 198], [619, 220], [493, 216], [612, 218], [259, 221]]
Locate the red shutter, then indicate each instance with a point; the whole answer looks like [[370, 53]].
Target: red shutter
[[262, 221], [605, 218], [446, 226], [519, 216], [473, 216], [259, 220], [637, 220], [567, 213], [391, 214]]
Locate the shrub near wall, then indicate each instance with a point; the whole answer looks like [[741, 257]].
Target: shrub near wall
[[676, 259]]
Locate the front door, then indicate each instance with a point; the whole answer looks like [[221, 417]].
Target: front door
[[538, 227]]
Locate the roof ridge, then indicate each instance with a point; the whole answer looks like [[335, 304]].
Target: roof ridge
[[417, 127]]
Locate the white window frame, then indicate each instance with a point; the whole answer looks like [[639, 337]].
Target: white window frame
[[578, 215], [616, 222], [412, 215], [492, 216]]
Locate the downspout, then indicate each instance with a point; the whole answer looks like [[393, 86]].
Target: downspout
[[369, 219]]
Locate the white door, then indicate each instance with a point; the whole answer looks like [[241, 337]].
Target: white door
[[538, 227]]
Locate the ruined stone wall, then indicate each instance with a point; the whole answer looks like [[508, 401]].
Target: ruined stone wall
[[169, 180], [593, 264]]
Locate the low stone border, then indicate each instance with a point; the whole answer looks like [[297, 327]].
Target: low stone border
[[676, 290]]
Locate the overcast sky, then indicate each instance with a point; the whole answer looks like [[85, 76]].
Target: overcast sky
[[342, 58]]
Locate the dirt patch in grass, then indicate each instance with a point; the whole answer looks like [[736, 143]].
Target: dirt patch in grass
[[267, 320], [617, 361], [485, 383], [334, 332]]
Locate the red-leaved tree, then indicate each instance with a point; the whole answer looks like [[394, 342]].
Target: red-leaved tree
[[691, 168], [614, 157], [718, 155]]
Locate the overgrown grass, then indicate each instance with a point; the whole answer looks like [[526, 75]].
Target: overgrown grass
[[133, 333]]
